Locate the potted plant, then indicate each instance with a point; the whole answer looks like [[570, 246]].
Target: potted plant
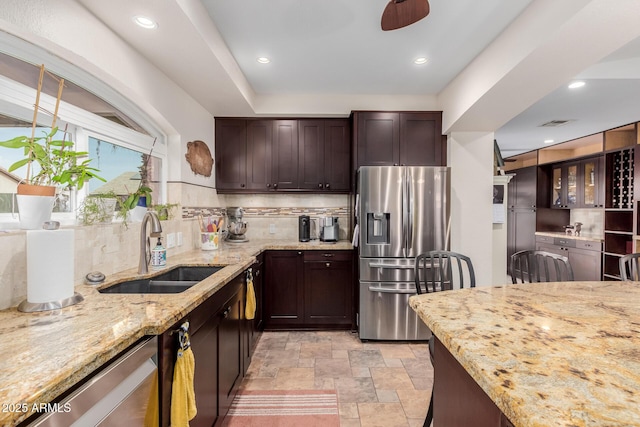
[[51, 164], [165, 210], [98, 208]]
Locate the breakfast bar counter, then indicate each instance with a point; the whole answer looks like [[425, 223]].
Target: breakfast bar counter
[[547, 354]]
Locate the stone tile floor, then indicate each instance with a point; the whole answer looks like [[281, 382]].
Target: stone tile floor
[[383, 384]]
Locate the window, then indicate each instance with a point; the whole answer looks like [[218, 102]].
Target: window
[[116, 144]]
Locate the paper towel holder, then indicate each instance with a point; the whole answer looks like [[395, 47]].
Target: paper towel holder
[[31, 307]]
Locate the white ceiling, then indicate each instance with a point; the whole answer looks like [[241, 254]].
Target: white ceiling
[[334, 51]]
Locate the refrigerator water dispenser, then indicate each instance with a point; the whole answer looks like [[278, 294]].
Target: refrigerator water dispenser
[[378, 228]]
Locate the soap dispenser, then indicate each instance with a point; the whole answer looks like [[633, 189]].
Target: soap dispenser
[[158, 255]]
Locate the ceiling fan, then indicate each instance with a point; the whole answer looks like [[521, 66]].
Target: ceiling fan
[[400, 13]]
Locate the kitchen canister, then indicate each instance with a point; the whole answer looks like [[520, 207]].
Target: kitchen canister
[[209, 240]]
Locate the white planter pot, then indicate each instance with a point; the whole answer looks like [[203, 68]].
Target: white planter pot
[[34, 210]]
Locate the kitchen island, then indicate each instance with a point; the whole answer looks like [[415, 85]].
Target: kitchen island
[[44, 354], [547, 354]]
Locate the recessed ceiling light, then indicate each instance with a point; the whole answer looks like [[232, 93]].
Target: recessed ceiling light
[[145, 22], [548, 141], [420, 60], [576, 85], [263, 60]]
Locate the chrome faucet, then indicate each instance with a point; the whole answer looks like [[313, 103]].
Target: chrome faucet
[[145, 246]]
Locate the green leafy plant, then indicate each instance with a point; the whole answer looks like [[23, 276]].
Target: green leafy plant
[[59, 164], [98, 208], [133, 198], [165, 211]]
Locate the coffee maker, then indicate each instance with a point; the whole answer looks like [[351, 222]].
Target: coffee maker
[[304, 228], [329, 229], [236, 227]]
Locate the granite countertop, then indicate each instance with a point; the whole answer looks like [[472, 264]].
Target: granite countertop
[[549, 354], [584, 236], [44, 354]]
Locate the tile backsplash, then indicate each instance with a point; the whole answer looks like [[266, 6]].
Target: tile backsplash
[[592, 221], [113, 247]]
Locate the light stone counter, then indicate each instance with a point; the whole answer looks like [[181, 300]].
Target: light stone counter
[[549, 354], [44, 354], [585, 236]]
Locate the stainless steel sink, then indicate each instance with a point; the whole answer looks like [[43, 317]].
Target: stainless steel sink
[[173, 281]]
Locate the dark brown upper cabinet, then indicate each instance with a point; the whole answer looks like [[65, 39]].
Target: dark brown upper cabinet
[[398, 138], [324, 155], [266, 155], [578, 184]]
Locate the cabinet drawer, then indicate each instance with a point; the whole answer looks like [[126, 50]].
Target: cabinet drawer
[[544, 239], [328, 255], [589, 245], [565, 242]]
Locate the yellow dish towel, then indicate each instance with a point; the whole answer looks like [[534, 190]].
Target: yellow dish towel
[[152, 416], [250, 309], [183, 397]]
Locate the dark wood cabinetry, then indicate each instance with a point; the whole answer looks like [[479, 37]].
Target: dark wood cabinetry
[[254, 326], [578, 184], [309, 290], [585, 256], [328, 288], [267, 155], [521, 212], [283, 295], [458, 400], [398, 138], [324, 155], [216, 333]]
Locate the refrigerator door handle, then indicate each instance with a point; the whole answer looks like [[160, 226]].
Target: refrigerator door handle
[[391, 266], [391, 290], [405, 208], [410, 210]]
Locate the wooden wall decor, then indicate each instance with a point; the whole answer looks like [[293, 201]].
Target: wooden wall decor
[[199, 158]]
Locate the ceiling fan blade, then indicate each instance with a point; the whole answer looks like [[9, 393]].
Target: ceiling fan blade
[[400, 13]]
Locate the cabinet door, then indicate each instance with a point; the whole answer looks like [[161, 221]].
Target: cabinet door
[[283, 295], [421, 139], [378, 138], [328, 290], [311, 157], [565, 186], [259, 159], [231, 153], [522, 188], [284, 171], [229, 352], [204, 344], [337, 155], [586, 264]]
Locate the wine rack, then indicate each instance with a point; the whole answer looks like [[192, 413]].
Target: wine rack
[[622, 179]]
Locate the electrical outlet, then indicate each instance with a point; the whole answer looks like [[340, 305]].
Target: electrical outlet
[[171, 240], [179, 238], [272, 229]]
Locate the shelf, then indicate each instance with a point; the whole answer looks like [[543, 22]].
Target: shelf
[[611, 276], [624, 233]]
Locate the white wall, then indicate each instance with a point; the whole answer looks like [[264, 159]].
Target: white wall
[[470, 155], [66, 29]]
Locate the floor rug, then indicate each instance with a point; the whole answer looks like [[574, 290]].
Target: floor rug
[[284, 408]]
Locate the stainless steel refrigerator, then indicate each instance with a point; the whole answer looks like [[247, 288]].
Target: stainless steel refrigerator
[[402, 211]]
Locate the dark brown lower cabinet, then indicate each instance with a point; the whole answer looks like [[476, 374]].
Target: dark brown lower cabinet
[[310, 289], [217, 330], [328, 290], [283, 296], [253, 327], [458, 401]]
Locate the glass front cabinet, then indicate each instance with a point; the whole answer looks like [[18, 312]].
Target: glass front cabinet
[[578, 184]]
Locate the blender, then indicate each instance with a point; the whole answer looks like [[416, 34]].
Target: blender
[[236, 227]]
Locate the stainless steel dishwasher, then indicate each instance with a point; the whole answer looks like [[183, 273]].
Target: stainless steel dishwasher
[[118, 393]]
